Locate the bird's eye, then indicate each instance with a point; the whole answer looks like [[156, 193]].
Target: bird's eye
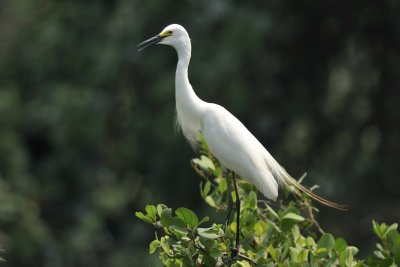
[[169, 32]]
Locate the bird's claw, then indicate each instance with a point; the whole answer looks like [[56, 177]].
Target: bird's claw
[[231, 259], [234, 253]]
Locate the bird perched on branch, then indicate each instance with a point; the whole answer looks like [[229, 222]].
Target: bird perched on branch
[[227, 138]]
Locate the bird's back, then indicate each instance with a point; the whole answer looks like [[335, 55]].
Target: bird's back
[[237, 149]]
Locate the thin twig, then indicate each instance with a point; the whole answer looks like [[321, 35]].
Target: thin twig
[[246, 258], [196, 245], [313, 220]]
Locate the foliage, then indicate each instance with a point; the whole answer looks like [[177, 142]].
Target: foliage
[[388, 251], [285, 236], [86, 122]]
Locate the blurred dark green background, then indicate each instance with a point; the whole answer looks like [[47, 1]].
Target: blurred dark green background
[[86, 122]]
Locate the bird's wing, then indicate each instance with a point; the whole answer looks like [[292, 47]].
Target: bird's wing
[[237, 149]]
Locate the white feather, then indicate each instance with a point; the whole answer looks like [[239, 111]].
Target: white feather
[[237, 149], [228, 139]]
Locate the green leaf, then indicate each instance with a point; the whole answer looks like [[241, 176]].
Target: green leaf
[[160, 209], [392, 227], [222, 185], [215, 252], [153, 246], [271, 224], [326, 241], [340, 244], [346, 257], [273, 252], [205, 163], [206, 188], [293, 216], [321, 251], [251, 201], [296, 233], [377, 229], [169, 221], [298, 255], [209, 233], [210, 201], [303, 256], [232, 226], [187, 260], [205, 219], [294, 252], [393, 238], [385, 263], [209, 261], [353, 250], [272, 212], [342, 258], [290, 219], [151, 212], [311, 243], [259, 227], [188, 217], [164, 244], [243, 263], [143, 217]]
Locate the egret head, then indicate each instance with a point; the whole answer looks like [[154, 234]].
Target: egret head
[[174, 35]]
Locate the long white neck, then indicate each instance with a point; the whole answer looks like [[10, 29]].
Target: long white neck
[[190, 108]]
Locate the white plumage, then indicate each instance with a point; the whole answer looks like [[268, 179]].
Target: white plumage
[[237, 149], [227, 138]]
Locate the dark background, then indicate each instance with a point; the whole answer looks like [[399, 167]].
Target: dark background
[[87, 123]]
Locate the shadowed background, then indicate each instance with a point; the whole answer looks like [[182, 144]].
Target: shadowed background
[[87, 123]]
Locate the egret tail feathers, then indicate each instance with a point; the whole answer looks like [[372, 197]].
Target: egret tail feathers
[[286, 180], [314, 196]]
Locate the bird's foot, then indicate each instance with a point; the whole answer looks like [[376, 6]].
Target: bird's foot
[[232, 258], [234, 253]]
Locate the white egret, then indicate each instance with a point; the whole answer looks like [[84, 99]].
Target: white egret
[[227, 138]]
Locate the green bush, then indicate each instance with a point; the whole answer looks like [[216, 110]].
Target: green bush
[[286, 236]]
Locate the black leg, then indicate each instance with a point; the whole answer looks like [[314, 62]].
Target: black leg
[[230, 201], [235, 251]]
